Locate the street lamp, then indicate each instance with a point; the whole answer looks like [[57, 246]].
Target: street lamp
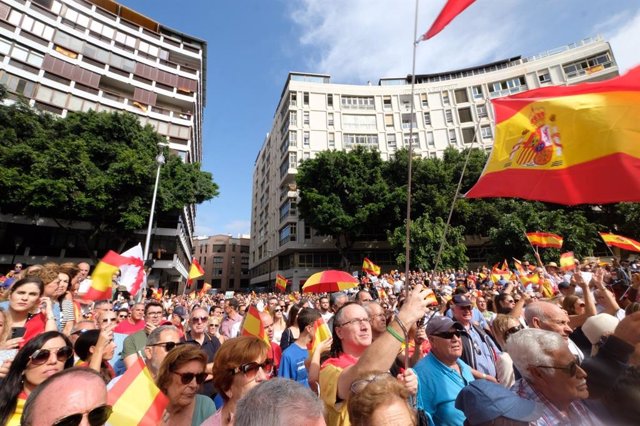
[[160, 160]]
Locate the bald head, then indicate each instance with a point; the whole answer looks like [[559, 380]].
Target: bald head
[[267, 323], [548, 316]]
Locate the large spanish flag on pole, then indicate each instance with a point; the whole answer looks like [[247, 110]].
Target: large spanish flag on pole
[[545, 239], [620, 241], [102, 276], [567, 145], [450, 10]]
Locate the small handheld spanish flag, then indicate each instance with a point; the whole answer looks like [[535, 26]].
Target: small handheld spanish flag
[[567, 261], [281, 283], [252, 325], [370, 268], [195, 271], [320, 333], [545, 239]]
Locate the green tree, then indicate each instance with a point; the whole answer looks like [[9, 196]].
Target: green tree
[[343, 195], [93, 167]]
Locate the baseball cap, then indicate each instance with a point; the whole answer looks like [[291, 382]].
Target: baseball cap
[[461, 300], [483, 401], [441, 324], [563, 284], [599, 325], [180, 311], [552, 264]]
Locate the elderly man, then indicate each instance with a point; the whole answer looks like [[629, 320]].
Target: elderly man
[[551, 376], [69, 394], [377, 318], [442, 374], [550, 317], [232, 317], [159, 343], [209, 344], [134, 323], [275, 352], [136, 342], [336, 301], [353, 352]]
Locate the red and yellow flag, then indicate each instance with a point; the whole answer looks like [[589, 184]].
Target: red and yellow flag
[[551, 142], [545, 239], [620, 241], [102, 276], [195, 271], [567, 261], [205, 288], [157, 293], [135, 398], [498, 273], [450, 10], [370, 268], [281, 283], [431, 298], [252, 325], [320, 333]]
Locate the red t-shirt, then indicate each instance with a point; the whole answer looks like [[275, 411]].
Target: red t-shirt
[[125, 327]]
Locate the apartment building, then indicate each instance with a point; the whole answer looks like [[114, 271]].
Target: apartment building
[[225, 260], [80, 55], [451, 109]]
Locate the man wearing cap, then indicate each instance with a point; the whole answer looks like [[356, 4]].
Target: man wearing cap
[[478, 350], [487, 403], [442, 374]]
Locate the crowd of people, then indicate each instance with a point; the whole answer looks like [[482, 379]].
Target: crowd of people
[[447, 348]]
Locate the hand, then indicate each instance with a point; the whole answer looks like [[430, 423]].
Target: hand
[[598, 279], [105, 338], [629, 329], [409, 380], [148, 328], [415, 306], [420, 337], [48, 307], [325, 345], [11, 343], [578, 280], [4, 369], [490, 379]]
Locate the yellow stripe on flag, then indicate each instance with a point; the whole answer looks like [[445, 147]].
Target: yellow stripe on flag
[[321, 333], [252, 325]]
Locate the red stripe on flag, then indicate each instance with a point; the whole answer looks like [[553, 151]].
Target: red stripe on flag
[[450, 10]]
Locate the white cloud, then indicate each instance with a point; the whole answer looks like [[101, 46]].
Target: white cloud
[[624, 42], [237, 227]]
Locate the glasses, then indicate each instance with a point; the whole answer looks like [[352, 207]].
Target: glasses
[[41, 356], [512, 330], [154, 314], [277, 310], [465, 308], [108, 320], [78, 332], [358, 321], [123, 316], [167, 345], [359, 385], [97, 417], [449, 334], [214, 324], [250, 369], [571, 369], [199, 319], [186, 378]]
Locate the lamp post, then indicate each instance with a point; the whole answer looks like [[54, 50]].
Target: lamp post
[[269, 278], [160, 160]]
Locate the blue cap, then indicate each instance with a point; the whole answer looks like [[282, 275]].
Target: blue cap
[[484, 401]]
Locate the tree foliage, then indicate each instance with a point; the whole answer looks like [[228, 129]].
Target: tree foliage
[[90, 166]]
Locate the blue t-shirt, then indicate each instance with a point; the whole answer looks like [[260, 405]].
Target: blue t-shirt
[[292, 364], [438, 387]]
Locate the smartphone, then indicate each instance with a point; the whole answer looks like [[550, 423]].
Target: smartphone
[[17, 332]]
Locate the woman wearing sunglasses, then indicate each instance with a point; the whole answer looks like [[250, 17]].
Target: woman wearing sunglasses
[[240, 365], [504, 326], [179, 377], [40, 358], [96, 348], [279, 323]]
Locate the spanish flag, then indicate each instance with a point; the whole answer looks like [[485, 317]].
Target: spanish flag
[[195, 271], [620, 241], [545, 239], [498, 273], [568, 145], [320, 333], [205, 288], [567, 261], [431, 298], [135, 398], [252, 325], [101, 279], [281, 283], [370, 268], [450, 10]]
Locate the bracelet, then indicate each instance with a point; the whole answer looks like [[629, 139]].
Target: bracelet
[[395, 334], [402, 326]]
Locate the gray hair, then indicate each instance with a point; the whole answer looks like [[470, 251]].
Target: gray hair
[[154, 336], [536, 310], [335, 297], [263, 405], [532, 347]]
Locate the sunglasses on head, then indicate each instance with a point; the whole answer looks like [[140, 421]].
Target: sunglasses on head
[[167, 345], [97, 417], [448, 334], [41, 356], [186, 378], [512, 330], [250, 369]]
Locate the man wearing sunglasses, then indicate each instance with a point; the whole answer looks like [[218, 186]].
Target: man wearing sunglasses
[[210, 344], [442, 373], [552, 376], [84, 401]]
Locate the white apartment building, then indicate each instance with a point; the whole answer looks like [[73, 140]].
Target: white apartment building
[[315, 114], [77, 55]]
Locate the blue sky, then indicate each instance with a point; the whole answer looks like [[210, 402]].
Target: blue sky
[[253, 44]]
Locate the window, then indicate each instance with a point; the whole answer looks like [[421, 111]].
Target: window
[[485, 131], [468, 134], [391, 140], [288, 233], [464, 114], [544, 77], [388, 120], [453, 140], [330, 100], [305, 118], [481, 111], [359, 122], [357, 102], [445, 98], [405, 102], [101, 30], [293, 118], [75, 17], [305, 139], [461, 96], [504, 87], [293, 138], [386, 102], [424, 99], [588, 66], [126, 41], [332, 140], [330, 119], [305, 98], [37, 28], [293, 160], [476, 92], [306, 155], [448, 116], [408, 121], [18, 85], [350, 140], [427, 118], [414, 138], [430, 141], [293, 98]]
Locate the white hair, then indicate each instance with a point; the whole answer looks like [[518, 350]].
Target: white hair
[[532, 347]]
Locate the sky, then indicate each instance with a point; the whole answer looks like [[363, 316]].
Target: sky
[[254, 44]]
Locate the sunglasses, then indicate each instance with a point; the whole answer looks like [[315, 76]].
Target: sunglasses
[[167, 345], [186, 378], [213, 324], [359, 385], [78, 332], [108, 320], [571, 369], [41, 356], [199, 319], [97, 417], [250, 369], [123, 316], [449, 334], [277, 310], [512, 330]]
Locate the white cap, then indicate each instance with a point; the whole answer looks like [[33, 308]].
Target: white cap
[[599, 325]]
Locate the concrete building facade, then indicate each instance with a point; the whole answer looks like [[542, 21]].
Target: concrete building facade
[[80, 55], [451, 109], [225, 261]]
